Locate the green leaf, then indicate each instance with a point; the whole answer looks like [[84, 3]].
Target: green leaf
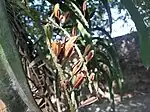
[[107, 7], [48, 31], [79, 14], [83, 25], [144, 49], [84, 32], [112, 61]]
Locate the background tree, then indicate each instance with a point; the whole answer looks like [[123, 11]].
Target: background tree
[[13, 82], [141, 26]]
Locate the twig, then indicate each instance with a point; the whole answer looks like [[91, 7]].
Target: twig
[[56, 96]]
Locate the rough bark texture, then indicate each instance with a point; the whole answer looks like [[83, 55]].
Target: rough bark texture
[[14, 90]]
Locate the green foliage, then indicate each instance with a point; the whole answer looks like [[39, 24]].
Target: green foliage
[[94, 59], [55, 54], [106, 5]]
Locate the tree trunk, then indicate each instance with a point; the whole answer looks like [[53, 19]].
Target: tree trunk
[[14, 89]]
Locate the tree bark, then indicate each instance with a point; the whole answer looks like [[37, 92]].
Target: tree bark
[[14, 89]]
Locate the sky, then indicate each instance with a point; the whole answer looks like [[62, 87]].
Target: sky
[[119, 27]]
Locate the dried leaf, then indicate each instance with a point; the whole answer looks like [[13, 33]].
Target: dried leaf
[[74, 33], [77, 67], [79, 79], [64, 18], [57, 10], [69, 45], [56, 47], [88, 101]]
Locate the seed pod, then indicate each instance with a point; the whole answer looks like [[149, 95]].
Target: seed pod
[[74, 33], [56, 47], [77, 67], [88, 47], [92, 77], [89, 56], [84, 7], [64, 18], [79, 79], [71, 52], [88, 101], [57, 10], [69, 45]]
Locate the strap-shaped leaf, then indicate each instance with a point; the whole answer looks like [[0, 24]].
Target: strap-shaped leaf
[[107, 7], [113, 56], [82, 22], [78, 13], [48, 31], [84, 32]]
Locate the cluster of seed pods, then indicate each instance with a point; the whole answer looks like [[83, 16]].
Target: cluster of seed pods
[[66, 50], [79, 71]]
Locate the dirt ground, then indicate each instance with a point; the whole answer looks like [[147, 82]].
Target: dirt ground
[[136, 89], [136, 97], [138, 103]]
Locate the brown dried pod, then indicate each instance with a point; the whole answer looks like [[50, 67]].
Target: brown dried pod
[[64, 17], [71, 52], [84, 7], [89, 56], [74, 33], [56, 47], [87, 48], [79, 79], [88, 101], [57, 10], [77, 67], [69, 45]]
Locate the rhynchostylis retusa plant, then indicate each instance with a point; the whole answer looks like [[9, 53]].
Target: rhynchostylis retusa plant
[[65, 50]]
